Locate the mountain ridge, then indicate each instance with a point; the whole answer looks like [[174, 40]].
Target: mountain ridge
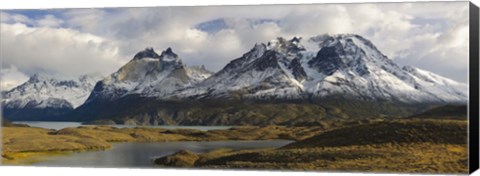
[[44, 95], [347, 65], [344, 71]]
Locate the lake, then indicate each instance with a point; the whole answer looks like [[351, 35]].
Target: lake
[[141, 155], [60, 125]]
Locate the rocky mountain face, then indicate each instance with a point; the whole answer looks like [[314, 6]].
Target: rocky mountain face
[[46, 97], [278, 82], [352, 65], [345, 65], [148, 75], [267, 71]]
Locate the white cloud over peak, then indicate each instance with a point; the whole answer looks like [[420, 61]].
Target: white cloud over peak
[[11, 77], [56, 51], [431, 36]]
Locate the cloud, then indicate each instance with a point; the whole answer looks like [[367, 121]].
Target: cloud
[[49, 21], [14, 18], [11, 77], [56, 51], [45, 21], [430, 35], [442, 48]]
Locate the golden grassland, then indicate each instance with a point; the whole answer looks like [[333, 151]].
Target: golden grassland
[[403, 145], [21, 144], [414, 158], [413, 146]]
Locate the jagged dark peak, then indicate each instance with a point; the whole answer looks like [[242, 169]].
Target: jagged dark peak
[[257, 51], [267, 60], [283, 45], [341, 51], [344, 40], [168, 53], [296, 39], [169, 58], [147, 53]]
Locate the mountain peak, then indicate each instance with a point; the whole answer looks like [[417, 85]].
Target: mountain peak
[[349, 52], [147, 53], [48, 91], [37, 77], [169, 53], [283, 45]]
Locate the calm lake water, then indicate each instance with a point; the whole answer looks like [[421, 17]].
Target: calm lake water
[[60, 125], [141, 155]]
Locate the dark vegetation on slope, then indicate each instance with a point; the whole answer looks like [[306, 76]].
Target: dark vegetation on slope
[[415, 131], [150, 111], [36, 114], [453, 112]]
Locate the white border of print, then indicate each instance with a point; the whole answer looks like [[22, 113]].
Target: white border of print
[[62, 171], [48, 4]]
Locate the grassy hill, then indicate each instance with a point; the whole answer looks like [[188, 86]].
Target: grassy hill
[[407, 146], [397, 131], [453, 112]]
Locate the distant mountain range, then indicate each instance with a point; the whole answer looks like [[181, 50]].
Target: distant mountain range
[[43, 97], [345, 77]]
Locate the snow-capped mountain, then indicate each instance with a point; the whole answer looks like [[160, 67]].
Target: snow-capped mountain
[[266, 70], [344, 65], [148, 75], [43, 97], [341, 76], [160, 89], [347, 65], [42, 91], [352, 65]]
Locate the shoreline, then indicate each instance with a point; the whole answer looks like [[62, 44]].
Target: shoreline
[[402, 145], [97, 138]]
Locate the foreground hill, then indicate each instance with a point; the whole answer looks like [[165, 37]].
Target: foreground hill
[[415, 131], [406, 146]]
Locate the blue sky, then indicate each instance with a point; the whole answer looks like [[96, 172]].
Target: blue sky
[[431, 36]]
